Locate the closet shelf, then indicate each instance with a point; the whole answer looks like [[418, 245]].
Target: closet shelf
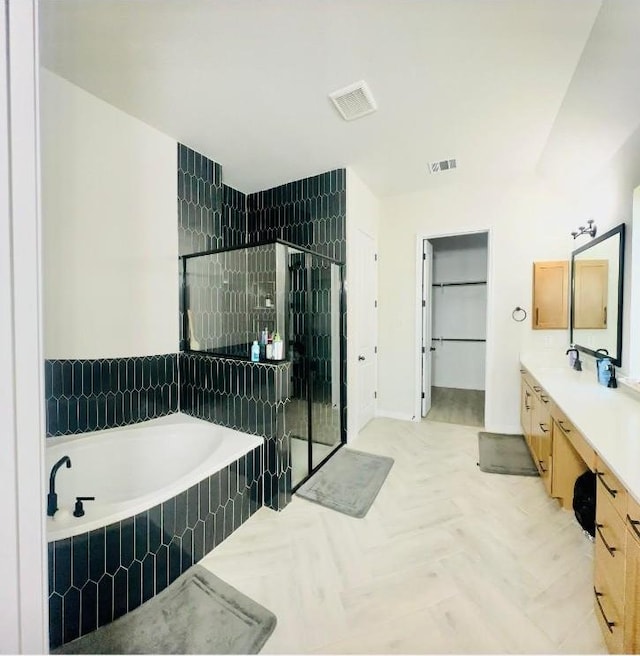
[[456, 339], [459, 284]]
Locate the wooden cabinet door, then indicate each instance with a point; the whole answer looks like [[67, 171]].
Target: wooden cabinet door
[[567, 466], [550, 294], [544, 441], [632, 581], [525, 407]]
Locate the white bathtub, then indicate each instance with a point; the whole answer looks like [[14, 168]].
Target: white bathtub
[[131, 469]]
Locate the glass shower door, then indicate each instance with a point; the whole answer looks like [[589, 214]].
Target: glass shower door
[[297, 411], [313, 414], [324, 358]]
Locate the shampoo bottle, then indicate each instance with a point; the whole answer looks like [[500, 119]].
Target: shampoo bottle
[[278, 353], [255, 351]]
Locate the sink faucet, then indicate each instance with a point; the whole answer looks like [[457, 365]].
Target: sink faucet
[[576, 362], [52, 497]]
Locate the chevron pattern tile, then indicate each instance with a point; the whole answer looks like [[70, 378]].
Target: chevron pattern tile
[[448, 560]]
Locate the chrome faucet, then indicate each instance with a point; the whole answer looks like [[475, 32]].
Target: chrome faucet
[[52, 497]]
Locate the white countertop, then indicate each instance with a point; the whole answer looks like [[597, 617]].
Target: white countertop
[[609, 419]]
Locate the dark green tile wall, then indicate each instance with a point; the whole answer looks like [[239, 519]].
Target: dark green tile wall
[[96, 577]]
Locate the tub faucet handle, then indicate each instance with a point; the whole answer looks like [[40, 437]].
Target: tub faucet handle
[[79, 509]]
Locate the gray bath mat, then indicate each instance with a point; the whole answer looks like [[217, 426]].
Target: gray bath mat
[[349, 482], [197, 614], [505, 454]]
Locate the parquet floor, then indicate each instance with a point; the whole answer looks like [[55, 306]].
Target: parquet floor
[[448, 560]]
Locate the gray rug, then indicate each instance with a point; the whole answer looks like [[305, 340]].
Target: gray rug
[[505, 454], [349, 482], [197, 614]]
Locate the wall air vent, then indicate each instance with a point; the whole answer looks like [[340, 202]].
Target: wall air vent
[[443, 165], [354, 101]]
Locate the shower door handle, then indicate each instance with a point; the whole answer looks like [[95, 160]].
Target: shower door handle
[[361, 357]]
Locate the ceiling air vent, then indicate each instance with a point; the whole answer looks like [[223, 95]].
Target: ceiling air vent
[[442, 165], [354, 101]]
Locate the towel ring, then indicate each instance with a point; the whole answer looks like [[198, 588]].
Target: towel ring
[[519, 311]]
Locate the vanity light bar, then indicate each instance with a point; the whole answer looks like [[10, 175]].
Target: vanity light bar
[[591, 230]]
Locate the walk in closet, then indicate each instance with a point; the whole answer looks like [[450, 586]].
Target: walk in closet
[[458, 280]]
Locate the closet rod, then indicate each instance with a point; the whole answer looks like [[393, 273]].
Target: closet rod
[[456, 339], [458, 284]]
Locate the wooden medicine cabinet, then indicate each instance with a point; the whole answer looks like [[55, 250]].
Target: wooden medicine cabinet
[[550, 295]]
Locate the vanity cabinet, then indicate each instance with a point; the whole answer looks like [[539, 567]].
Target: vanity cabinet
[[550, 295], [632, 580], [561, 454], [610, 557], [617, 563], [535, 418], [616, 566]]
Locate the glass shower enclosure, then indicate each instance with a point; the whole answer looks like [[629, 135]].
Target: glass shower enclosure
[[234, 296]]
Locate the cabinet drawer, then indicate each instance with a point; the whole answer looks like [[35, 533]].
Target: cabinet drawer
[[575, 439], [611, 537], [562, 420], [633, 518], [610, 486], [609, 614], [526, 376]]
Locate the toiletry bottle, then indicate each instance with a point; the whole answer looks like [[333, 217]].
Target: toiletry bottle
[[255, 351], [269, 349], [604, 371], [278, 353]]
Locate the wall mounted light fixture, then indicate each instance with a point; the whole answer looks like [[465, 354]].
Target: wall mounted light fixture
[[590, 230]]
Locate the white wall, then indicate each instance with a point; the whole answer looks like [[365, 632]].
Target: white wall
[[109, 189], [363, 213], [609, 199], [526, 223]]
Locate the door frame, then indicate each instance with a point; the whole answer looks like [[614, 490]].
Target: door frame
[[417, 285], [426, 311], [23, 561]]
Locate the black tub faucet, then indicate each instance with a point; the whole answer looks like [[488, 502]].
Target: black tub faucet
[[52, 497]]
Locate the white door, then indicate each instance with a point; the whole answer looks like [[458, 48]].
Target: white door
[[367, 322], [427, 268]]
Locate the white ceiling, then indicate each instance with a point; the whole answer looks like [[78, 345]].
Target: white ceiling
[[506, 86]]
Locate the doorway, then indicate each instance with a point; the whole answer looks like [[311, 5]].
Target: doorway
[[454, 318]]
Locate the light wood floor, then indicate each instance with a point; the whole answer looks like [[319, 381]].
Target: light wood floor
[[448, 560]]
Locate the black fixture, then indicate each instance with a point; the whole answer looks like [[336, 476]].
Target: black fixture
[[613, 381], [577, 363], [591, 230], [52, 497], [79, 509]]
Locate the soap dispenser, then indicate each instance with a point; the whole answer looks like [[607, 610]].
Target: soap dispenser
[[603, 368]]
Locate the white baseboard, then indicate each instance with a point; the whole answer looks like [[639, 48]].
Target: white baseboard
[[389, 414]]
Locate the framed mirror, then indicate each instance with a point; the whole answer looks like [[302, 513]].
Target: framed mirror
[[596, 295]]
